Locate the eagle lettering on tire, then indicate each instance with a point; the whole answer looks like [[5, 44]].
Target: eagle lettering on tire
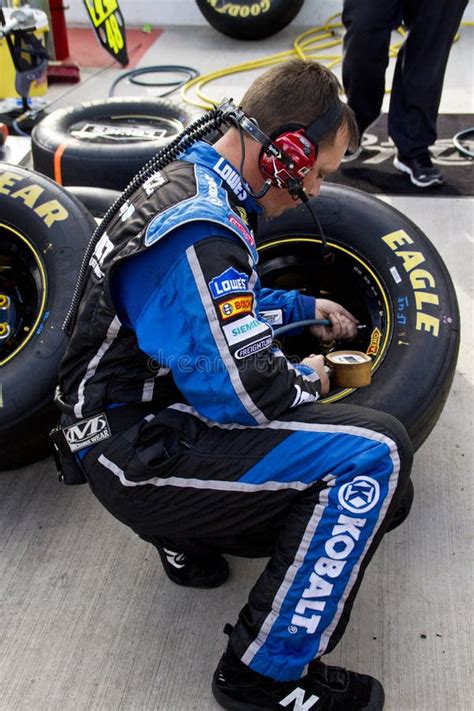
[[388, 273]]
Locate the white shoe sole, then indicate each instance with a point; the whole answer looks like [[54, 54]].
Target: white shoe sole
[[352, 156], [405, 169]]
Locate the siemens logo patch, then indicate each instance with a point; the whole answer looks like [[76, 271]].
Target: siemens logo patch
[[229, 281], [243, 329], [254, 347]]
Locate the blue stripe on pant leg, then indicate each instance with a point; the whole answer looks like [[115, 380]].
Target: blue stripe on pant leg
[[310, 600]]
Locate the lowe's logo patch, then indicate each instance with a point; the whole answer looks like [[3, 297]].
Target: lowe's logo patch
[[231, 177], [229, 281], [87, 432]]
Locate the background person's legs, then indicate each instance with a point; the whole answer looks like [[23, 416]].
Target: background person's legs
[[419, 72], [368, 24]]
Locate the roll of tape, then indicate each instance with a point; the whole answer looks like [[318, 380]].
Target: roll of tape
[[350, 369]]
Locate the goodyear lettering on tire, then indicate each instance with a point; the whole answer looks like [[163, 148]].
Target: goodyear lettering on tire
[[50, 211], [236, 10]]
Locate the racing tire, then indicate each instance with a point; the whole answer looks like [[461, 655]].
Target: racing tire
[[249, 19], [43, 236], [385, 270], [105, 143], [96, 200]]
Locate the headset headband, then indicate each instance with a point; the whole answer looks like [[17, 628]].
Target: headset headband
[[320, 126], [315, 131], [290, 155]]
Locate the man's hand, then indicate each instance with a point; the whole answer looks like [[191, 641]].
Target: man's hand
[[317, 363], [343, 323]]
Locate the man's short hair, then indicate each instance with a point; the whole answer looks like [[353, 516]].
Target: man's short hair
[[297, 92]]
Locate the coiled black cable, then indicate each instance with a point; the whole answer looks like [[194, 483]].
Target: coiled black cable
[[460, 137], [203, 126], [187, 73]]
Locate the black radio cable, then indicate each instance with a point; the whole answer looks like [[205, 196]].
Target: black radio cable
[[166, 155]]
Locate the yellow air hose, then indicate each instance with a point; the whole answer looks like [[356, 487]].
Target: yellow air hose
[[310, 44]]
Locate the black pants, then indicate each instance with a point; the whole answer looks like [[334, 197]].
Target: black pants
[[315, 490], [419, 70]]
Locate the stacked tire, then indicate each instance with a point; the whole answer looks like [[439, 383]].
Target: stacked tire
[[105, 143]]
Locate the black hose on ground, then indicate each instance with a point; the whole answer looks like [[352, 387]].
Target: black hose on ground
[[187, 73]]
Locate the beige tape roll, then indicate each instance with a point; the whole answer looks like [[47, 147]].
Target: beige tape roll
[[350, 369]]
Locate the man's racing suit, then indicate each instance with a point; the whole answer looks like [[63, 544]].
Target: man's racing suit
[[232, 451]]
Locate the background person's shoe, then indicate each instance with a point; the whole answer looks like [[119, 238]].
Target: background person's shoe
[[351, 155], [421, 170], [192, 571], [324, 688]]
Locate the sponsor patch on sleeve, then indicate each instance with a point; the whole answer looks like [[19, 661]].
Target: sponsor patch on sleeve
[[254, 347], [243, 329], [248, 236], [154, 182], [230, 281], [236, 306], [273, 316]]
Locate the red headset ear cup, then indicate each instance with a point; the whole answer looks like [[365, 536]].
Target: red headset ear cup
[[296, 149]]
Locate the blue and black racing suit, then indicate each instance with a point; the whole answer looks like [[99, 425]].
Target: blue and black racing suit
[[235, 453]]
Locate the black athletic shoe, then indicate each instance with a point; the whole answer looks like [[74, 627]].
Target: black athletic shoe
[[190, 571], [324, 688], [421, 170]]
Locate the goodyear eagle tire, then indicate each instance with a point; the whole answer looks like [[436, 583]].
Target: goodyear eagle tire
[[249, 19], [43, 236], [387, 272], [105, 143]]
